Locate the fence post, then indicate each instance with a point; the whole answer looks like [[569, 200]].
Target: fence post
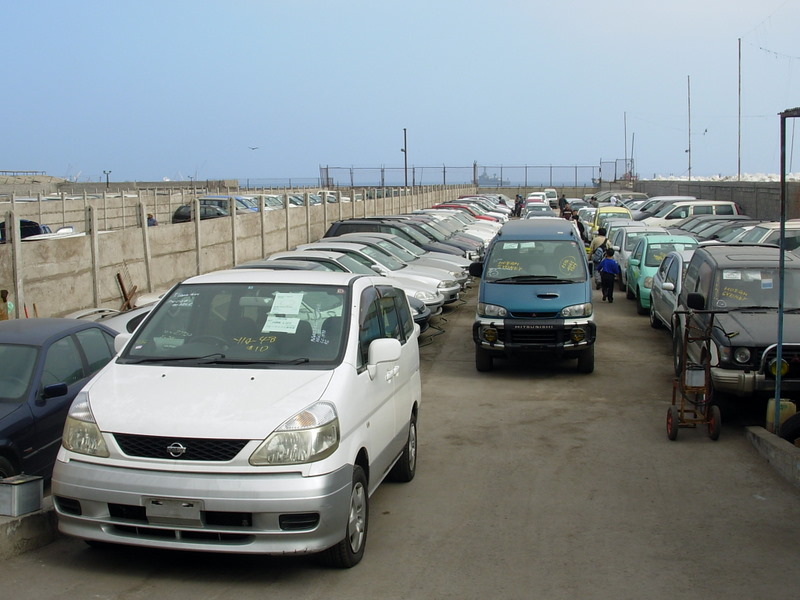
[[13, 235], [91, 219], [234, 218], [286, 206], [146, 245], [197, 236]]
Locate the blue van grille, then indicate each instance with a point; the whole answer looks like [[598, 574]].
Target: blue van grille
[[531, 315], [513, 335]]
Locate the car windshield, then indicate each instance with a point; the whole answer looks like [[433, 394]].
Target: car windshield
[[387, 260], [18, 361], [244, 324], [632, 238], [656, 252], [397, 252], [355, 266], [541, 260], [411, 248], [754, 287], [413, 233]]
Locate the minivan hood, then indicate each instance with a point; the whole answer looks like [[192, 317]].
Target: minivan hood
[[535, 298], [228, 403], [758, 327]]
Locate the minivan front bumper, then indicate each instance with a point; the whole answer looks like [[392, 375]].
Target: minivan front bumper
[[275, 513], [557, 336]]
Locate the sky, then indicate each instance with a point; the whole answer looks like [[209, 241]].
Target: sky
[[179, 89]]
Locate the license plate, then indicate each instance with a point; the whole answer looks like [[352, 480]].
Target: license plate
[[174, 511]]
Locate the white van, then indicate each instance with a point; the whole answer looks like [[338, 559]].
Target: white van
[[253, 411], [672, 213]]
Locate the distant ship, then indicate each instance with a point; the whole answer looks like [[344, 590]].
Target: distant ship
[[493, 180]]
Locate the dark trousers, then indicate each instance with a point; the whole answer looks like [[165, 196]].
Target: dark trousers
[[607, 285]]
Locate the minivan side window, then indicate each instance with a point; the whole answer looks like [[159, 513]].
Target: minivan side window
[[703, 209], [724, 209], [369, 324]]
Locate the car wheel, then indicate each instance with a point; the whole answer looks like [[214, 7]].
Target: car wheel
[[406, 467], [350, 550], [790, 428], [586, 361], [641, 309], [673, 420], [714, 422], [655, 322], [483, 360], [677, 352], [6, 468]]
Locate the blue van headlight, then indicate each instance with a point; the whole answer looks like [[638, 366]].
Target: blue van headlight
[[491, 310], [577, 310]]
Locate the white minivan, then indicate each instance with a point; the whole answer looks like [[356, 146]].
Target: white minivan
[[677, 211], [253, 411]]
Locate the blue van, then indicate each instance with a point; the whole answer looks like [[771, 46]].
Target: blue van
[[535, 295]]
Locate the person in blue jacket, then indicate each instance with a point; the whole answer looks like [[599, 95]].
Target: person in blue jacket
[[609, 270]]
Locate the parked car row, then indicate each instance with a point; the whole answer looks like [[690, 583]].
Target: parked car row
[[683, 282]]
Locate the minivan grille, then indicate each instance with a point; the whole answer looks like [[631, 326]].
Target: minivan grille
[[175, 448]]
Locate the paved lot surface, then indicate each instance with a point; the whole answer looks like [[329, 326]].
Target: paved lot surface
[[533, 482]]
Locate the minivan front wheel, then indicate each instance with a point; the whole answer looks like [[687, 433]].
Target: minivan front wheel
[[586, 360], [350, 550], [6, 468], [483, 359]]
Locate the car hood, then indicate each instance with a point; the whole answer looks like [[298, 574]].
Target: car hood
[[535, 298], [201, 402], [8, 408], [758, 327]]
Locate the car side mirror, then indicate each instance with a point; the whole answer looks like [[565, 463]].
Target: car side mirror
[[634, 262], [55, 390], [476, 269], [120, 341], [695, 301], [668, 286], [380, 351]]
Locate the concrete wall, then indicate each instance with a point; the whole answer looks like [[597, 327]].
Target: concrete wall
[[55, 277], [761, 200]]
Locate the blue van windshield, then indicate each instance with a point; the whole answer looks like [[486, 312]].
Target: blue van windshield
[[545, 260]]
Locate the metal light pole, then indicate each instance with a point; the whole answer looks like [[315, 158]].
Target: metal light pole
[[107, 173], [791, 113], [404, 150]]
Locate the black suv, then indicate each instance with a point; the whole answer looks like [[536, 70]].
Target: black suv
[[741, 282]]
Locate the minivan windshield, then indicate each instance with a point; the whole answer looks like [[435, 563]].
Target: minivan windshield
[[243, 324], [545, 261], [738, 288]]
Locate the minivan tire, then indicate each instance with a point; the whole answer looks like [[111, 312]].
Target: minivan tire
[[586, 361], [350, 550], [405, 468], [641, 309], [483, 360]]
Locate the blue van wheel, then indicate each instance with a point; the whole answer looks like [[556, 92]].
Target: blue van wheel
[[586, 361], [483, 360]]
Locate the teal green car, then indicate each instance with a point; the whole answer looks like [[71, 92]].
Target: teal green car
[[644, 261]]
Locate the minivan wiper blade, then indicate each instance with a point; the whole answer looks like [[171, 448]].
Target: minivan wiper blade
[[752, 307], [238, 361], [159, 359], [530, 278]]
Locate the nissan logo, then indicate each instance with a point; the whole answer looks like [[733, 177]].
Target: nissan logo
[[176, 449]]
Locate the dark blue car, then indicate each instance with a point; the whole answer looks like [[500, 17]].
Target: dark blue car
[[44, 363]]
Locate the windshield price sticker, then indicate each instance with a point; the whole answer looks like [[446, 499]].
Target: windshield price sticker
[[730, 274], [287, 303], [280, 324]]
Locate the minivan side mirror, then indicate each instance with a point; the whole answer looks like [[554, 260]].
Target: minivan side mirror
[[120, 340], [476, 269], [695, 301], [380, 351]]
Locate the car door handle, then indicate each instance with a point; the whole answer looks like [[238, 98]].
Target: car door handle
[[391, 373]]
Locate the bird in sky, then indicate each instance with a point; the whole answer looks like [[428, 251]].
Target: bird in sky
[[253, 147]]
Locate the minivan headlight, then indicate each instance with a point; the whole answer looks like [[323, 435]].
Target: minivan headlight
[[577, 310], [309, 436], [446, 283], [81, 433], [491, 310]]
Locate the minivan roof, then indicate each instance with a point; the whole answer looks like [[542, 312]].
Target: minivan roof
[[534, 229]]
